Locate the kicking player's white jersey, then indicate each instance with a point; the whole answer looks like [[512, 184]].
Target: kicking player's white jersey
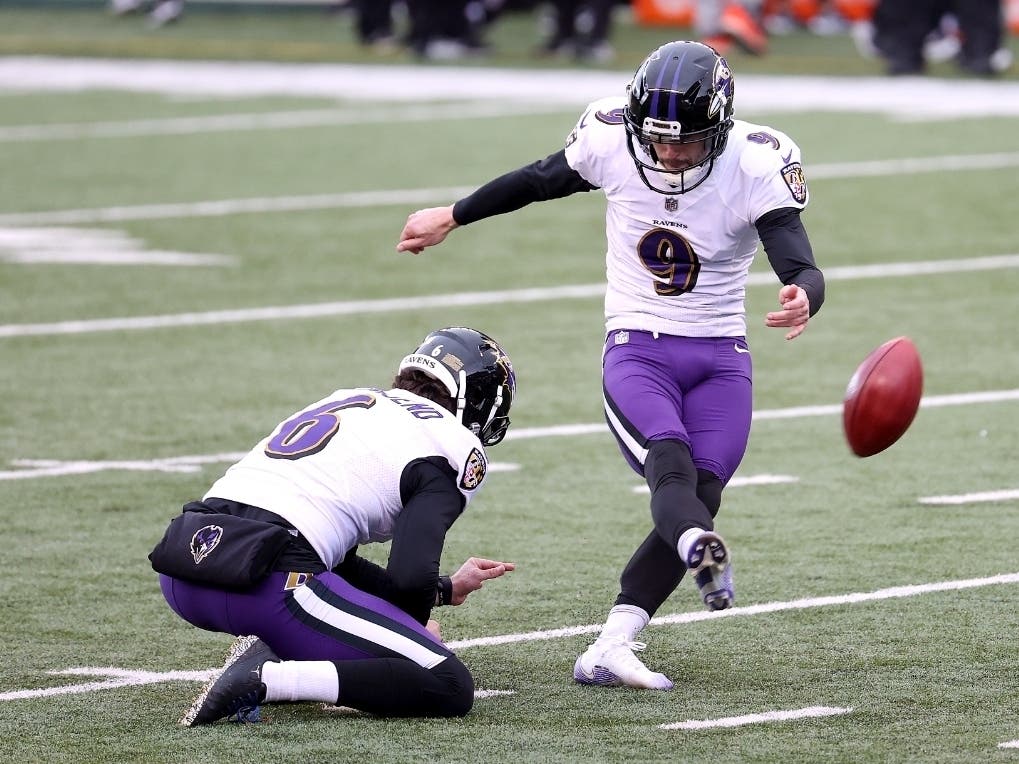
[[678, 264], [333, 470]]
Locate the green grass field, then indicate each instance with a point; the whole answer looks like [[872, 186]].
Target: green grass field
[[110, 422]]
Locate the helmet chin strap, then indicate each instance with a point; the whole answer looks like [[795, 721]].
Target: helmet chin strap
[[682, 178], [461, 396]]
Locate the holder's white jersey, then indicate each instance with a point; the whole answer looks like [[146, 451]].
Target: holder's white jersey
[[333, 469], [678, 264]]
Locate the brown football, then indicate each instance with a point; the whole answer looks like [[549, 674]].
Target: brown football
[[882, 397]]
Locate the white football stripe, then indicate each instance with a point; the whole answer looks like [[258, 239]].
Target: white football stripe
[[811, 712], [738, 482], [403, 197], [460, 299], [124, 677], [972, 498], [51, 467], [360, 627], [894, 592], [36, 468], [273, 120], [115, 678]]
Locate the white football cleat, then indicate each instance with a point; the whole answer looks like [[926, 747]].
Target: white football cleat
[[610, 662]]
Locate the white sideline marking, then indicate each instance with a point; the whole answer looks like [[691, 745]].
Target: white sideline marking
[[357, 199], [894, 592], [972, 498], [739, 482], [903, 98], [1009, 744], [34, 468], [273, 120], [125, 677], [464, 299], [811, 712]]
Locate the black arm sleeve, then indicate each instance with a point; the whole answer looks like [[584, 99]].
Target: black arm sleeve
[[548, 178], [790, 254], [431, 503], [366, 576]]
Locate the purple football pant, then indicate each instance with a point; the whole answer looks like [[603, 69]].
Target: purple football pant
[[694, 389], [308, 618]]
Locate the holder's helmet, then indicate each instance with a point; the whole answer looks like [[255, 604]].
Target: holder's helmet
[[681, 93], [476, 372]]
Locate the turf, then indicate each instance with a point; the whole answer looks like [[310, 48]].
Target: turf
[[929, 676]]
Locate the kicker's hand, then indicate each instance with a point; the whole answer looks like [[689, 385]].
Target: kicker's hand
[[795, 311], [426, 228], [473, 574]]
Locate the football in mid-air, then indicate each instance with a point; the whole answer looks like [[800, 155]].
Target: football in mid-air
[[882, 397]]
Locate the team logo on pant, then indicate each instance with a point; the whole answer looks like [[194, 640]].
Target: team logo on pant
[[294, 580], [204, 541]]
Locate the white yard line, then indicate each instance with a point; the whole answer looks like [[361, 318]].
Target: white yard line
[[972, 498], [739, 482], [811, 712], [117, 677], [114, 678], [464, 299], [270, 120], [855, 598], [39, 468], [409, 197], [218, 208]]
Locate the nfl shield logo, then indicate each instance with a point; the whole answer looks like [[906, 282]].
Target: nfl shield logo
[[671, 204]]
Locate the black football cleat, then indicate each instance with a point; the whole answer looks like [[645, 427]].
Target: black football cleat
[[236, 691], [711, 565]]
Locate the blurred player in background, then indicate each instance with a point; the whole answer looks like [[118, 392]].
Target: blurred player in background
[[720, 23], [902, 31], [690, 192], [270, 552]]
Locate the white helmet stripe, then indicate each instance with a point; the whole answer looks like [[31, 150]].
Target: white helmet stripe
[[433, 368]]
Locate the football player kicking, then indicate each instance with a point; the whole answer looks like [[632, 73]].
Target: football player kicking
[[690, 192], [270, 552]]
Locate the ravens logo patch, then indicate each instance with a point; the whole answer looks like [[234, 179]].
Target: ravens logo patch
[[474, 470], [792, 174]]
